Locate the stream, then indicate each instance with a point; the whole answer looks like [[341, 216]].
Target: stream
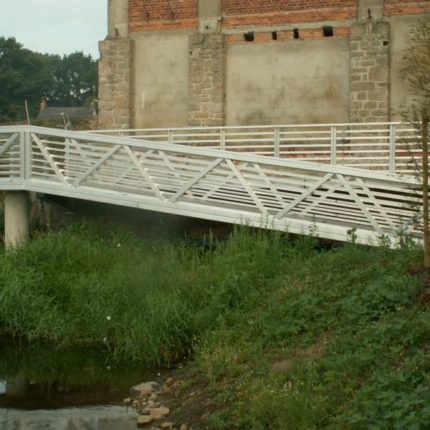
[[49, 388]]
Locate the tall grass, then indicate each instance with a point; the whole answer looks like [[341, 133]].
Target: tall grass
[[82, 286], [288, 336], [143, 301]]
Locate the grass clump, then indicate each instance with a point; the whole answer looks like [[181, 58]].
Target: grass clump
[[284, 335], [82, 286], [337, 339]]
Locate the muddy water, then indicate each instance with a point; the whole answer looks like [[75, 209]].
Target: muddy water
[[43, 387]]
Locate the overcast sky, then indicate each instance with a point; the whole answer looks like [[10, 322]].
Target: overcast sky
[[55, 26]]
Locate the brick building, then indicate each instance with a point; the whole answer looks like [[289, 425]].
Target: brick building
[[171, 63]]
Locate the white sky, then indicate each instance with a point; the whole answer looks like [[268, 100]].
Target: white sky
[[55, 26]]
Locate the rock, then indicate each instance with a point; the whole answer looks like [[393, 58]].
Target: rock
[[166, 388], [151, 404], [153, 396], [169, 381], [127, 401], [167, 426], [159, 413], [146, 411], [183, 427], [145, 388], [144, 419]]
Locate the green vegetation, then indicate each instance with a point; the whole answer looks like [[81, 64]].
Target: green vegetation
[[70, 80], [283, 335]]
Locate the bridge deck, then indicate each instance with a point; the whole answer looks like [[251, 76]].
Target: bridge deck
[[277, 193]]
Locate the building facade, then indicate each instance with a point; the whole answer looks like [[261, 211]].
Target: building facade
[[177, 63]]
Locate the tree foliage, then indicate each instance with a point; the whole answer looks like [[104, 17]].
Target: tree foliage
[[74, 80], [417, 74], [26, 75]]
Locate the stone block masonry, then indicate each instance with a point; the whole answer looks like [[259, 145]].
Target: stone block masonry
[[115, 83], [207, 71], [217, 62], [370, 71]]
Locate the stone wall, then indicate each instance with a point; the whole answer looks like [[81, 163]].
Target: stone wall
[[213, 62], [370, 71], [207, 80], [115, 83]]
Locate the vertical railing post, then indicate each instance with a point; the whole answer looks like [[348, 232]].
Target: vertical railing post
[[22, 150], [392, 161], [277, 143], [27, 156], [222, 139], [333, 139], [24, 155]]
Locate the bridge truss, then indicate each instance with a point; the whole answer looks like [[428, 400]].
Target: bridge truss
[[285, 194]]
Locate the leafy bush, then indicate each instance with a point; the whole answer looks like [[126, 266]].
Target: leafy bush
[[288, 336]]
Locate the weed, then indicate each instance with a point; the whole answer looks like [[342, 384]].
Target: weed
[[345, 322]]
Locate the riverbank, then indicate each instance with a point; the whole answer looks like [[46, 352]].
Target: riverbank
[[273, 333]]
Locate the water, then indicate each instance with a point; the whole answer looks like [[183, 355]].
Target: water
[[43, 387]]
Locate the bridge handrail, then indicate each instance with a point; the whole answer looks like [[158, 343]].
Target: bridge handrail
[[207, 152], [226, 186], [384, 146]]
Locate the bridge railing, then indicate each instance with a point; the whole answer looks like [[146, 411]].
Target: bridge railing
[[285, 194], [384, 146]]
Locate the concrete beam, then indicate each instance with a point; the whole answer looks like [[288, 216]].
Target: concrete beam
[[209, 16], [370, 10], [17, 387], [16, 215], [117, 19]]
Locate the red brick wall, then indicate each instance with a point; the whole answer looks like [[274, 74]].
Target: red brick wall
[[150, 15], [406, 7], [267, 12], [305, 34]]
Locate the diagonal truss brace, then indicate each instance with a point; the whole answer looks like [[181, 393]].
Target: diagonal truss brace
[[140, 160], [247, 187], [323, 197], [48, 158], [8, 144], [360, 204], [193, 181], [269, 184], [144, 172], [97, 165], [376, 203], [304, 195]]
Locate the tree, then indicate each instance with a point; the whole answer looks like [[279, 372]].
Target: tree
[[23, 76], [417, 74], [26, 75], [74, 80]]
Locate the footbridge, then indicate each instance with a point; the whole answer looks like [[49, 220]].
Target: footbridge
[[328, 180]]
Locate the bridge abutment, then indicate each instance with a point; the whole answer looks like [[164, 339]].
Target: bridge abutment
[[17, 218]]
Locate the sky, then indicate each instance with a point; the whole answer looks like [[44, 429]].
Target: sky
[[55, 26]]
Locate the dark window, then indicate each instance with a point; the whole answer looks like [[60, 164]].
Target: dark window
[[249, 37], [327, 31]]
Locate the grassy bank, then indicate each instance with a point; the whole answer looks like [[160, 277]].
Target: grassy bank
[[283, 335]]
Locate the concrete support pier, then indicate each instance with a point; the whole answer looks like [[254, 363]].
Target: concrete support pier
[[17, 387], [16, 217]]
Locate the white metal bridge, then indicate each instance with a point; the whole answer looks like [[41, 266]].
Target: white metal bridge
[[326, 180]]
